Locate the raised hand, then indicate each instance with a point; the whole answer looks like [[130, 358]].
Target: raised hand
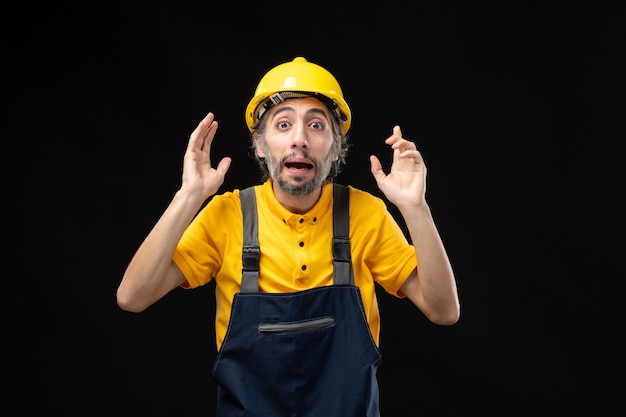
[[406, 182], [199, 177]]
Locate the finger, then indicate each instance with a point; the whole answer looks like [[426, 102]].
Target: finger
[[396, 138], [209, 135], [196, 140], [394, 135], [412, 154]]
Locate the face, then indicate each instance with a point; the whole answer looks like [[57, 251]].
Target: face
[[299, 146]]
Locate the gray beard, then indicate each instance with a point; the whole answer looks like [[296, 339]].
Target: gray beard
[[321, 168], [300, 189]]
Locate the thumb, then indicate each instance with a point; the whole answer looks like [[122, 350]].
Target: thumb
[[376, 168], [223, 166]]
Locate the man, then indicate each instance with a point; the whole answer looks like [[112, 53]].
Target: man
[[297, 320]]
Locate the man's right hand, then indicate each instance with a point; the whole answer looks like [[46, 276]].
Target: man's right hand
[[199, 177]]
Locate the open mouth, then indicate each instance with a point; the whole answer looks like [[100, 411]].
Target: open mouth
[[299, 166]]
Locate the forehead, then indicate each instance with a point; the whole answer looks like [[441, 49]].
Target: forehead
[[305, 104]]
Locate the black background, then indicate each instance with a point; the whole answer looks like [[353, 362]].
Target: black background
[[517, 107]]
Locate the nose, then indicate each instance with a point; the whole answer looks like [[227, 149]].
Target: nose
[[299, 139]]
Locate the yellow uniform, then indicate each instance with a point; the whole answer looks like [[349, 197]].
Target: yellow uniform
[[296, 249]]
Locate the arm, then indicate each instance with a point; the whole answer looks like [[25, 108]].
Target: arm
[[432, 287], [151, 273]]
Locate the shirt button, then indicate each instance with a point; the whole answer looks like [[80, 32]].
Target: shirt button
[[304, 267], [301, 220], [301, 244]]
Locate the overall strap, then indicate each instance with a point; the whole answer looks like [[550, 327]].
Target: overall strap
[[251, 254], [342, 261]]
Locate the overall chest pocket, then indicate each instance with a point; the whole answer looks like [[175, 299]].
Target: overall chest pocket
[[301, 326]]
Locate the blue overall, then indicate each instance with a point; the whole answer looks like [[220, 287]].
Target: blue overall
[[306, 354]]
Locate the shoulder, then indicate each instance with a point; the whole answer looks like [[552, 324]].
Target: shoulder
[[226, 198], [361, 198], [223, 206]]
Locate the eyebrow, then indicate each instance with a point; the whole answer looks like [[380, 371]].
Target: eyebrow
[[314, 110]]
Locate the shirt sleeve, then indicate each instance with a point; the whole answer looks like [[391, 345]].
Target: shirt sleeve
[[200, 251], [380, 247]]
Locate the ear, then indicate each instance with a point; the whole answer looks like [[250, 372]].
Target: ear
[[337, 150], [258, 149]]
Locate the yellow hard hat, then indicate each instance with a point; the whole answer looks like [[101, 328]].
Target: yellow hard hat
[[298, 78]]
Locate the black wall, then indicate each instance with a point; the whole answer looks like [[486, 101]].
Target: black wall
[[518, 110]]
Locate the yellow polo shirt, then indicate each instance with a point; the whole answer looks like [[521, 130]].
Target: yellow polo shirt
[[296, 249]]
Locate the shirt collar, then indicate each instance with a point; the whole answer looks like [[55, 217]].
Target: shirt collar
[[322, 207]]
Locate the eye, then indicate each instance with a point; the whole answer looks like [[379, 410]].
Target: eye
[[282, 125], [317, 125]]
